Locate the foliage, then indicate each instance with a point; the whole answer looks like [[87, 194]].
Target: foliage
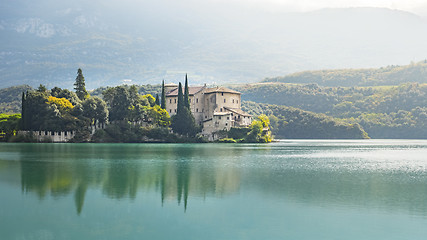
[[126, 104], [238, 132], [80, 86], [183, 121], [296, 123], [227, 140], [65, 93], [126, 132], [159, 117], [9, 124], [163, 98], [259, 130], [60, 103], [95, 109]]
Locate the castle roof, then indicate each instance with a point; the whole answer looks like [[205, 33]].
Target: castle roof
[[238, 111], [191, 91], [221, 90]]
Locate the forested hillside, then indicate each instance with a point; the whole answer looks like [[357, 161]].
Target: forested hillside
[[390, 75], [288, 122], [10, 98], [383, 112]]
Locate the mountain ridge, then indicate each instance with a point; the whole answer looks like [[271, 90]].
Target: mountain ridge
[[213, 44]]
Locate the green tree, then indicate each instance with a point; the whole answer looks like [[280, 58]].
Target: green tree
[[9, 124], [183, 121], [186, 94], [157, 100], [95, 109], [119, 103], [163, 103], [80, 86]]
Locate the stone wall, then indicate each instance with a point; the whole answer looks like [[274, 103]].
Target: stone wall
[[50, 136]]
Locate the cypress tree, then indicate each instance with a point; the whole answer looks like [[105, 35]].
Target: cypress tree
[[163, 104], [186, 94], [157, 100], [183, 122], [180, 104], [80, 86]]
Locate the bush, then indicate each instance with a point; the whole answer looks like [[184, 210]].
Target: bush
[[227, 140]]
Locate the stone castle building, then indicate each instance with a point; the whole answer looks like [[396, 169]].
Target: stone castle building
[[215, 109]]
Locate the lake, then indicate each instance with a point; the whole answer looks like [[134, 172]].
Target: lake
[[293, 189]]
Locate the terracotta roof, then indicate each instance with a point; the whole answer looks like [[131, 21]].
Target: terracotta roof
[[221, 89], [238, 111], [221, 113], [191, 91]]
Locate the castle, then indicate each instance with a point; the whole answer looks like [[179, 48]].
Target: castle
[[214, 109]]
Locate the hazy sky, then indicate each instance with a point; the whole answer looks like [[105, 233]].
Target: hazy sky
[[415, 6]]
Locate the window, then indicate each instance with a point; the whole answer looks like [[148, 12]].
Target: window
[[206, 117], [197, 100], [237, 101], [170, 110], [175, 110], [175, 100], [170, 100], [197, 110], [224, 100], [228, 118], [40, 133], [220, 109], [66, 133], [219, 117], [233, 100], [222, 94]]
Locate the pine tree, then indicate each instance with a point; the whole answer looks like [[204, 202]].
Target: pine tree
[[80, 86], [163, 104], [186, 94]]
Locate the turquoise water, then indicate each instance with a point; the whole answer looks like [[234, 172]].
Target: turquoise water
[[361, 189]]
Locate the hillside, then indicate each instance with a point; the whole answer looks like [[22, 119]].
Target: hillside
[[10, 98], [293, 123], [383, 112], [390, 75], [143, 42]]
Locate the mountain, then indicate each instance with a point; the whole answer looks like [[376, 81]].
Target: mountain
[[142, 42], [390, 75]]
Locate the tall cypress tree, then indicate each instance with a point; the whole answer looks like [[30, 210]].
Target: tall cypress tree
[[183, 122], [80, 86], [163, 103], [157, 100], [180, 104], [186, 94]]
